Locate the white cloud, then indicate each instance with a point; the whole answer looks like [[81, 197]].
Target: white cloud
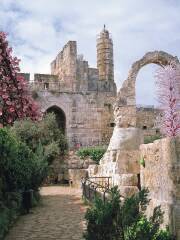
[[38, 29]]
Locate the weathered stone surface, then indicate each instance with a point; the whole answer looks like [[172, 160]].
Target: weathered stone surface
[[85, 95], [125, 139], [176, 218], [93, 170], [128, 162], [76, 175], [127, 96], [147, 118], [128, 180], [160, 175], [121, 160], [105, 56], [127, 191], [73, 161]]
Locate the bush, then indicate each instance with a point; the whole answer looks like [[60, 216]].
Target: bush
[[151, 139], [9, 212], [124, 220], [20, 169], [95, 153], [44, 134]]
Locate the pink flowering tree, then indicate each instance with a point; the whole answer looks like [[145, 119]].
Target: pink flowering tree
[[168, 91], [15, 99]]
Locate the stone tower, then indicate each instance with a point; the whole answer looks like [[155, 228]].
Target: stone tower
[[105, 63]]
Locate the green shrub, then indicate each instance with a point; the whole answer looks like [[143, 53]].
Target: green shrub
[[164, 235], [45, 133], [151, 139], [9, 212], [95, 153], [20, 169], [124, 220]]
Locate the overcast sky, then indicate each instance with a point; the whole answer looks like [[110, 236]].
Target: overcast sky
[[38, 29]]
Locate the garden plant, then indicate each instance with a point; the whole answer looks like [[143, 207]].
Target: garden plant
[[94, 153], [168, 85], [15, 99], [124, 219]]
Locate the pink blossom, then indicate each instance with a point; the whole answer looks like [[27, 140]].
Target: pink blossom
[[14, 93], [11, 109], [168, 91]]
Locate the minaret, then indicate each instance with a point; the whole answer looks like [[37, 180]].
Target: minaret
[[105, 62]]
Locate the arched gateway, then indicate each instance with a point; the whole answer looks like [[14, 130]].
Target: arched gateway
[[125, 105], [60, 117]]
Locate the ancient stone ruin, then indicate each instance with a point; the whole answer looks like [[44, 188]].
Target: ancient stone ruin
[[160, 171], [89, 112], [82, 97]]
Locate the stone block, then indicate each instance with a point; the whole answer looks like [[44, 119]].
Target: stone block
[[76, 175], [125, 139], [128, 180], [128, 162], [128, 191], [93, 169]]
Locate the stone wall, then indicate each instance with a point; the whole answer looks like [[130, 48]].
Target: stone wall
[[46, 82], [74, 73], [69, 168], [161, 175], [89, 116], [65, 65], [146, 119], [76, 175], [77, 90], [121, 160]]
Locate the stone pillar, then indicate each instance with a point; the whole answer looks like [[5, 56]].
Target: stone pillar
[[121, 160], [161, 175]]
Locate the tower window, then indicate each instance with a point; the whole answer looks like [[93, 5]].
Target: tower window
[[46, 86], [157, 131], [144, 127], [112, 124]]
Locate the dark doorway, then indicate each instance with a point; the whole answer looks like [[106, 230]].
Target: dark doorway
[[60, 117]]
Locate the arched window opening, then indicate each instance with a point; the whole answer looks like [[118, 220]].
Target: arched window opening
[[60, 117]]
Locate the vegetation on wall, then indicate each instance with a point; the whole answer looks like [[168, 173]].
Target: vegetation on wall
[[94, 153], [151, 139], [118, 219]]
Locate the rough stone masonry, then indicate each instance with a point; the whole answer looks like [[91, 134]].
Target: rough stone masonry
[[82, 97], [160, 172]]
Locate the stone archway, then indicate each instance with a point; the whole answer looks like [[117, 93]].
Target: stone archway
[[60, 117], [125, 105]]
